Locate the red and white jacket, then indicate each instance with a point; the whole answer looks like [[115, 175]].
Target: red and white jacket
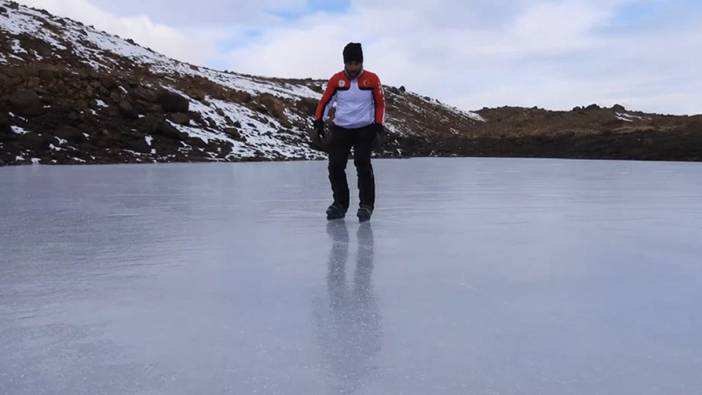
[[358, 102]]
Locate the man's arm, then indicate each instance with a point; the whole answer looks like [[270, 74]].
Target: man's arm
[[326, 100], [379, 98]]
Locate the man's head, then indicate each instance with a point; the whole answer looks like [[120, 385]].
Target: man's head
[[353, 59]]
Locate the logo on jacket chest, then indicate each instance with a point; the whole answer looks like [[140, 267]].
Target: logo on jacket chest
[[342, 84]]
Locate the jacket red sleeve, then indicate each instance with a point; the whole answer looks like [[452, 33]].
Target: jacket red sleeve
[[379, 99], [329, 93]]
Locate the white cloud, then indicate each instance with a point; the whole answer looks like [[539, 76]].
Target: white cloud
[[192, 47], [220, 13], [553, 54]]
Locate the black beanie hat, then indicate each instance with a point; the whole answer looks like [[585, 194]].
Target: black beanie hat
[[353, 53]]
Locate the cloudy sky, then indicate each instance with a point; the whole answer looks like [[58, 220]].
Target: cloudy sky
[[471, 53]]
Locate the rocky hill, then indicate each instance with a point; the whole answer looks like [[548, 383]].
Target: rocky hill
[[72, 94]]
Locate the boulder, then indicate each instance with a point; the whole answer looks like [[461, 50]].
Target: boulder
[[127, 110], [165, 129], [69, 133], [307, 105], [25, 103], [242, 97], [198, 94], [172, 102], [273, 105], [4, 123], [592, 107], [179, 118], [145, 94], [234, 133], [106, 81], [35, 141], [618, 108], [137, 143]]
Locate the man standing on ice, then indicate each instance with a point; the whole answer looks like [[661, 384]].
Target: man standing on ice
[[359, 111]]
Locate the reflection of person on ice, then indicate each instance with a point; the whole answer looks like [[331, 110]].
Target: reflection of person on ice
[[356, 97], [350, 330]]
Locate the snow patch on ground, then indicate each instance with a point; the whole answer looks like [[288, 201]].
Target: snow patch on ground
[[468, 114], [19, 130], [29, 21], [17, 47], [393, 129], [148, 140], [629, 117], [101, 103]]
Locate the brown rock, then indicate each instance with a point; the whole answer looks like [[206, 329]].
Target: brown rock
[[242, 97], [127, 111], [173, 102], [109, 83], [273, 105], [180, 118], [34, 141], [307, 105], [69, 133], [234, 133], [167, 130], [48, 74], [82, 105], [26, 103], [4, 121], [198, 95], [137, 143], [145, 94], [33, 82]]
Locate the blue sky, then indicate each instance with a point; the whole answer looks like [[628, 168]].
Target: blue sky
[[312, 7], [556, 54]]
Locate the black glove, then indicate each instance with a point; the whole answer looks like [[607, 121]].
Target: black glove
[[380, 137], [317, 136], [319, 127]]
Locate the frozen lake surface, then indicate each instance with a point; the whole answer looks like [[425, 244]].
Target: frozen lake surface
[[476, 276]]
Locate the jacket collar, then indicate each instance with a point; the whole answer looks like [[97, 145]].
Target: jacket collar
[[357, 77]]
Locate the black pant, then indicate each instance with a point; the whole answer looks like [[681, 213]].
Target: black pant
[[342, 140]]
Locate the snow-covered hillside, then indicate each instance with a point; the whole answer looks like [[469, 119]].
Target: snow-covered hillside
[[119, 88]]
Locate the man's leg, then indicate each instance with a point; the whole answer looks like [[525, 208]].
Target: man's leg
[[363, 146], [339, 148]]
